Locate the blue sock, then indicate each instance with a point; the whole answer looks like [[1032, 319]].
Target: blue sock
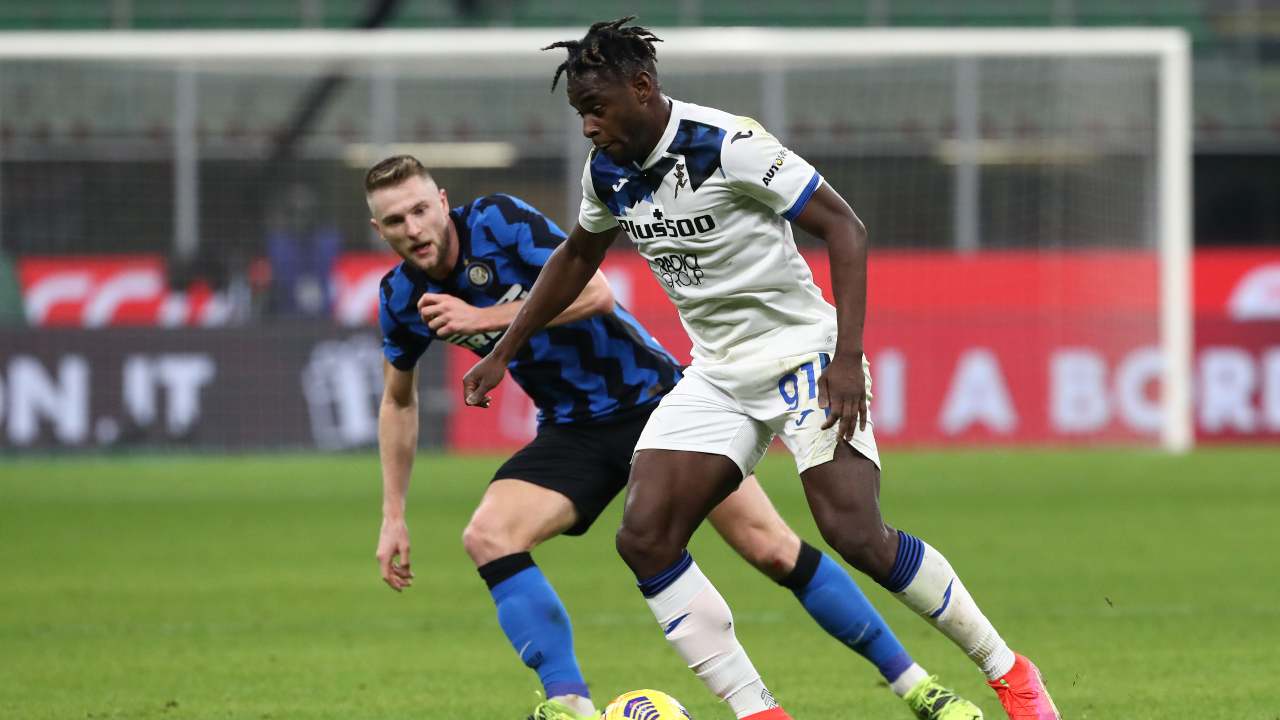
[[535, 622], [836, 602]]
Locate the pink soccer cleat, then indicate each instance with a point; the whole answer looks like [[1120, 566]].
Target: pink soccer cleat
[[1023, 694], [773, 713]]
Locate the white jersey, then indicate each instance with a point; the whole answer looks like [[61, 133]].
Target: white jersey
[[709, 210]]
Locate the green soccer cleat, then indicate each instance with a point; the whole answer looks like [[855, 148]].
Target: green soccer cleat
[[931, 701], [552, 710]]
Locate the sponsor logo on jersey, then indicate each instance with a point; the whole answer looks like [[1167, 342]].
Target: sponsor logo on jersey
[[668, 227], [480, 341], [741, 136], [773, 169], [677, 269]]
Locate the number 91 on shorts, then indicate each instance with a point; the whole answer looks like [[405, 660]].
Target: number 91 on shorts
[[736, 408]]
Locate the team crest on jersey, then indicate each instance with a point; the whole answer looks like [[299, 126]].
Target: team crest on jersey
[[479, 273]]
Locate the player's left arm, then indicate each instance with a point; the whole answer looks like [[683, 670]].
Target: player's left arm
[[448, 315], [842, 387], [759, 166], [397, 444]]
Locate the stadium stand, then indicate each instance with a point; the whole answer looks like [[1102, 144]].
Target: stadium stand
[[1196, 17]]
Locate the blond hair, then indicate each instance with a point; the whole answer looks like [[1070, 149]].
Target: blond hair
[[393, 171]]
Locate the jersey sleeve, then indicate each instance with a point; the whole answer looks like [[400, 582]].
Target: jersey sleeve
[[756, 164], [594, 216], [400, 345]]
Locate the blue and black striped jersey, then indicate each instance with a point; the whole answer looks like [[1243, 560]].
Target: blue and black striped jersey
[[589, 369]]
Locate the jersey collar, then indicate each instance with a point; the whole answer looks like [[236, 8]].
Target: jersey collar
[[668, 135]]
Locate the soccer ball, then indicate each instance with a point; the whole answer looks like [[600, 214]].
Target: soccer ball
[[645, 705]]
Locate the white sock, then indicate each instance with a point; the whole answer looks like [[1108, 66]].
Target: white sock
[[939, 596], [699, 625], [577, 703], [908, 679]]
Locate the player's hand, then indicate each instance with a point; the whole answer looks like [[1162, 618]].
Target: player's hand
[[843, 389], [393, 554], [448, 315], [480, 379]]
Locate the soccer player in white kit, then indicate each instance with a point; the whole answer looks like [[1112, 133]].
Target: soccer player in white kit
[[706, 197]]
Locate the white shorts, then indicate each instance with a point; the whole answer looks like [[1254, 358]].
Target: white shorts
[[735, 409]]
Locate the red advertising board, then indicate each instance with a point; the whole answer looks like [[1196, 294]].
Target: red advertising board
[[1008, 348], [111, 290], [116, 290], [133, 290], [995, 346], [1237, 380]]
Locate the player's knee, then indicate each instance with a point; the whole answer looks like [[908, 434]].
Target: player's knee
[[772, 551], [646, 551], [485, 541], [631, 545]]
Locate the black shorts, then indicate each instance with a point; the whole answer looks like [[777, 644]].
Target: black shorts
[[589, 463]]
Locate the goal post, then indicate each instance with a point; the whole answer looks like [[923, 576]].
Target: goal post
[[1040, 149]]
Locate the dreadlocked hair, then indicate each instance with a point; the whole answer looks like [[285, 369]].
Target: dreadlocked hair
[[608, 47]]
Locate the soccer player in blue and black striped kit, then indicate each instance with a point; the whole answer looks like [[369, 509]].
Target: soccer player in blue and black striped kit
[[595, 375]]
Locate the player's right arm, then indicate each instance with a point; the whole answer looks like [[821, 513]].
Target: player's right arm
[[561, 281], [449, 315], [397, 442]]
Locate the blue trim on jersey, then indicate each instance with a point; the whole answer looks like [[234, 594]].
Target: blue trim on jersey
[[622, 188], [797, 207], [588, 369], [700, 145]]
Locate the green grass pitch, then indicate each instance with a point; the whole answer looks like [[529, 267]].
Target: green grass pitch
[[1145, 586]]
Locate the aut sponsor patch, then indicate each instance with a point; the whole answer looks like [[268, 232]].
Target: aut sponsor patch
[[778, 160]]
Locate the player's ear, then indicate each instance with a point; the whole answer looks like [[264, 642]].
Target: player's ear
[[444, 198], [373, 222], [644, 86]]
